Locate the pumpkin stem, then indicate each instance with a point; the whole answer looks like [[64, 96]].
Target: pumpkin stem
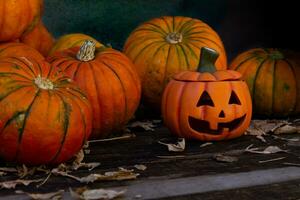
[[43, 83], [174, 38], [87, 51], [208, 58], [276, 55]]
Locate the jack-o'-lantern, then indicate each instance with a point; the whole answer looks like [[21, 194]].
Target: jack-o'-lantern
[[207, 104]]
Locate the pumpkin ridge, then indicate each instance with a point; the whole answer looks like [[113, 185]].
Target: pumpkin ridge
[[2, 12], [123, 90], [26, 65], [77, 69], [185, 56], [243, 62], [295, 76], [173, 23], [167, 64], [187, 23], [273, 86], [67, 109], [26, 115], [191, 50], [193, 39], [144, 48], [158, 28], [182, 88], [188, 34], [15, 74], [167, 24], [137, 43], [255, 77], [189, 31]]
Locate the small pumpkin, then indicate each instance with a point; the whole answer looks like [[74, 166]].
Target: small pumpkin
[[110, 81], [273, 77], [207, 105], [17, 17], [72, 40], [44, 117], [19, 50], [39, 38], [165, 46]]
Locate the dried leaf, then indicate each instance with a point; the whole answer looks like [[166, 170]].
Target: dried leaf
[[140, 167], [123, 137], [206, 144], [147, 126], [77, 163], [178, 147], [8, 169], [286, 129], [12, 184], [224, 158], [3, 173], [271, 160], [96, 194], [122, 174], [45, 196], [268, 150]]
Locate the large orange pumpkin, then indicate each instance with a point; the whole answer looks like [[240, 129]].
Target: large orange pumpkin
[[44, 117], [39, 38], [273, 77], [110, 81], [17, 16], [19, 50], [72, 40], [207, 105], [165, 46]]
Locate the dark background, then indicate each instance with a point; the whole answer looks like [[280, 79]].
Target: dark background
[[242, 24]]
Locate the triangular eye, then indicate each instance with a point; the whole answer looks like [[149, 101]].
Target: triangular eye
[[205, 100], [234, 99]]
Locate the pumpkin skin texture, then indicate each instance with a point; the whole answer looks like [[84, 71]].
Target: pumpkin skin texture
[[71, 40], [17, 16], [44, 117], [273, 77], [207, 105], [110, 81], [19, 50], [39, 38], [165, 46]]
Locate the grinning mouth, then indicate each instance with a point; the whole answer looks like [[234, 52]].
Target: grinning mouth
[[202, 126]]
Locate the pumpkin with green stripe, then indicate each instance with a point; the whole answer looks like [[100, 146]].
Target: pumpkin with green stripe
[[44, 117], [71, 40], [110, 81], [164, 46], [273, 77]]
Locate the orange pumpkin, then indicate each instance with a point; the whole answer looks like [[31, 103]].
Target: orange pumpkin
[[273, 77], [72, 40], [17, 17], [19, 50], [165, 46], [110, 81], [207, 105], [44, 117], [39, 38]]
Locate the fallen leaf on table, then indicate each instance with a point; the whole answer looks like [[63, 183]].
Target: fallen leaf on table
[[178, 147], [268, 150], [147, 126], [8, 169], [122, 174], [77, 163], [205, 144], [224, 158], [140, 167], [286, 129], [12, 184], [94, 194], [45, 196]]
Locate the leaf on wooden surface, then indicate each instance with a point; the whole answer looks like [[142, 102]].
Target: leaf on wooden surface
[[122, 174], [13, 183], [8, 169], [44, 196], [77, 163], [205, 144], [101, 194], [141, 167], [177, 147], [268, 150], [286, 129], [224, 158], [147, 125]]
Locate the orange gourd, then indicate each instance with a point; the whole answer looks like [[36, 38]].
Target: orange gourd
[[165, 46], [273, 77], [71, 40], [18, 16], [110, 81], [44, 117], [39, 38], [207, 105], [19, 50]]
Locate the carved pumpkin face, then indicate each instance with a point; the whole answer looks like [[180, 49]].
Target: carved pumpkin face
[[207, 106]]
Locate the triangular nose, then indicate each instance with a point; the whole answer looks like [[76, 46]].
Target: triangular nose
[[222, 114]]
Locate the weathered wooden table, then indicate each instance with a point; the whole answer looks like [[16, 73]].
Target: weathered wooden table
[[192, 174]]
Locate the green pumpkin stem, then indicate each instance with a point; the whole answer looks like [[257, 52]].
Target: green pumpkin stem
[[87, 51], [208, 58]]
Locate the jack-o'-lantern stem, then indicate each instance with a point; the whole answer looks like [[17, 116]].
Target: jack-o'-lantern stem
[[87, 51], [207, 61]]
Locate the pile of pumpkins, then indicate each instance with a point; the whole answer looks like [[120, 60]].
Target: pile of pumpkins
[[57, 94]]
